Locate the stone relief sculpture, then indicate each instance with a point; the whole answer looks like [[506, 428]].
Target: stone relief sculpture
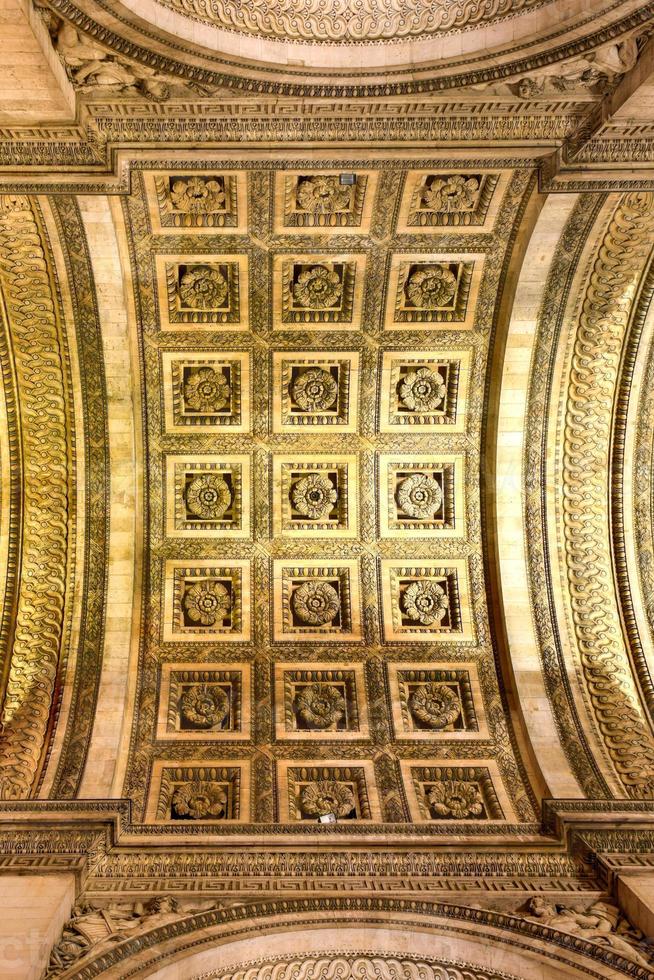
[[601, 923]]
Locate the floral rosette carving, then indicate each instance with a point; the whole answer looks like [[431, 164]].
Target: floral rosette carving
[[313, 496], [327, 796], [435, 705], [450, 194], [318, 288], [425, 602], [197, 195], [203, 288], [423, 390], [455, 799], [316, 603], [207, 602], [204, 705], [319, 705], [208, 496], [431, 288], [315, 390], [206, 390], [200, 800], [419, 496], [323, 195]]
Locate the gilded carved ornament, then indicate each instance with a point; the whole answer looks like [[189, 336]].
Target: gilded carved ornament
[[603, 323], [36, 342]]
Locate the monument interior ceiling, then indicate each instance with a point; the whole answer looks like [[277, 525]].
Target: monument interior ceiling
[[326, 482]]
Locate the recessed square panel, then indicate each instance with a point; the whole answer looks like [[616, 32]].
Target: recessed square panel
[[316, 601], [428, 291], [200, 201], [204, 702], [207, 601], [457, 200], [199, 793], [315, 495], [436, 701], [208, 496], [424, 601], [320, 701], [315, 390], [317, 291], [319, 202], [422, 495], [425, 390], [314, 789], [444, 791], [202, 292], [206, 391]]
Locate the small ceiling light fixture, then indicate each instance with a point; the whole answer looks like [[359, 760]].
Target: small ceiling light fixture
[[347, 178], [327, 818]]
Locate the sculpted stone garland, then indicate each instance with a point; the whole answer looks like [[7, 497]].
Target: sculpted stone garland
[[37, 346], [595, 364]]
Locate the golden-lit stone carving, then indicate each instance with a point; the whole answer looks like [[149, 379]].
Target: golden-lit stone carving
[[204, 702], [322, 701], [315, 391], [318, 290], [203, 291], [609, 292], [207, 601], [203, 202], [467, 201], [199, 792], [431, 701], [316, 601], [427, 390], [204, 391], [300, 20], [444, 792], [312, 203], [319, 788], [208, 496], [425, 600], [315, 495], [436, 289], [421, 494]]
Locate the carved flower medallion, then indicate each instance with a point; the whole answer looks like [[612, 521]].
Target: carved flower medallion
[[425, 602], [431, 288], [327, 796], [197, 195], [450, 194], [203, 288], [207, 602], [435, 705], [206, 390], [314, 496], [319, 705], [316, 603], [199, 800], [315, 390], [204, 706], [323, 195], [456, 800], [419, 496], [208, 496], [423, 390], [318, 288]]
